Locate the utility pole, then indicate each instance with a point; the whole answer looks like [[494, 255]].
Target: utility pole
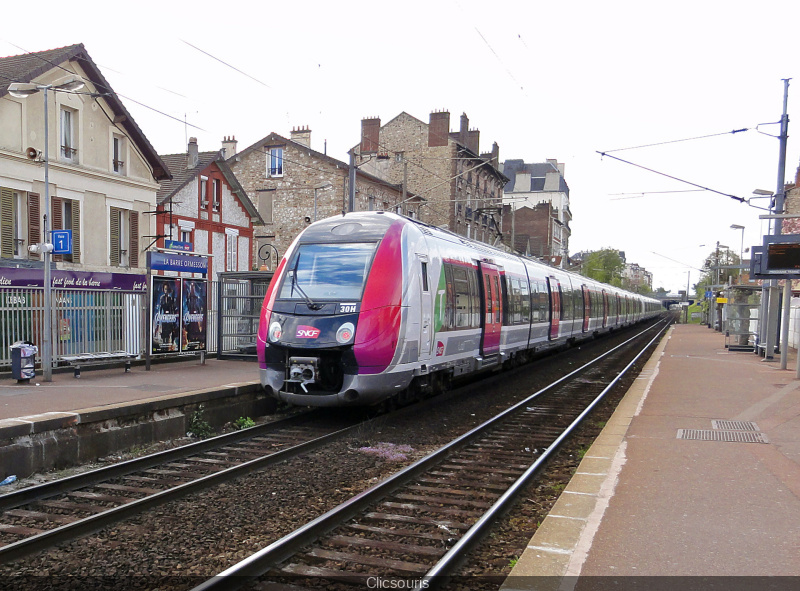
[[772, 318]]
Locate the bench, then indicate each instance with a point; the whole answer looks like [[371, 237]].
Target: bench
[[88, 359]]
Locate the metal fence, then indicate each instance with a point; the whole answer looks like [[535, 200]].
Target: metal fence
[[101, 321]]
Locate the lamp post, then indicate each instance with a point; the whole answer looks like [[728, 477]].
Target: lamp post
[[24, 90], [324, 185], [741, 248]]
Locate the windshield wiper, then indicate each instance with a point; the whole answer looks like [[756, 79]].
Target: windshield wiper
[[295, 284]]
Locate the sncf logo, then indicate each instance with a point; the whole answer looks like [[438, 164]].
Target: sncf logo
[[307, 332]]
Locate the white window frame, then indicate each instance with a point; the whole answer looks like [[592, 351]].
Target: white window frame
[[231, 249], [275, 162], [68, 150], [216, 194], [203, 192]]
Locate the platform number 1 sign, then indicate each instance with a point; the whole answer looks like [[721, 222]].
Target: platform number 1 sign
[[62, 241]]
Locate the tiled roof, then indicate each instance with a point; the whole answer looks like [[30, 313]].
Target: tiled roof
[[182, 176], [27, 67]]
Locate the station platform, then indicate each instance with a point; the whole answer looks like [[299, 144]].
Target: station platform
[[114, 386], [694, 482]]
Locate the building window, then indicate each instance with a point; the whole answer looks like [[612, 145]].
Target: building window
[[186, 235], [203, 192], [117, 164], [124, 238], [68, 143], [232, 252], [12, 243], [217, 194], [275, 162]]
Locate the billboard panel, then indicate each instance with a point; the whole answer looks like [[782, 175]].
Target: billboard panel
[[194, 313], [166, 317]]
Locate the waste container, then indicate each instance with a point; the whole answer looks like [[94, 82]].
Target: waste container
[[23, 360]]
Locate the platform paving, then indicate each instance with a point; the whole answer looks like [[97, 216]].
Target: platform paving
[[646, 506], [114, 386]]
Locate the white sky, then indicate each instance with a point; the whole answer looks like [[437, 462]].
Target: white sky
[[543, 79]]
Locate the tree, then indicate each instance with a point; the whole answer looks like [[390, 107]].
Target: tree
[[604, 265], [713, 274]]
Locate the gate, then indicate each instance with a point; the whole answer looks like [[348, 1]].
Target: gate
[[238, 310]]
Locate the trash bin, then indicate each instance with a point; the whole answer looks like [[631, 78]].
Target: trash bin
[[23, 360]]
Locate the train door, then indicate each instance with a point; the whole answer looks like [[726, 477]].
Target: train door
[[605, 308], [587, 307], [492, 309], [554, 286], [426, 310]]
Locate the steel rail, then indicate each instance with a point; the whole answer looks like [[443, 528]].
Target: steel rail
[[260, 562], [96, 522], [443, 569], [24, 496]]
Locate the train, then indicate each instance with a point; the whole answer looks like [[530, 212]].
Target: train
[[369, 308]]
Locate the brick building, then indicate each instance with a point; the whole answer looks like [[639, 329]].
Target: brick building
[[539, 225], [291, 185], [539, 196], [205, 205], [462, 188]]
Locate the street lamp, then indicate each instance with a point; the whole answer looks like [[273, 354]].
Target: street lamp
[[24, 90], [741, 248], [324, 185]]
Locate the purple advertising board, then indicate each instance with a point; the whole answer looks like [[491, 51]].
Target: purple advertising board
[[166, 315], [73, 279], [194, 309]]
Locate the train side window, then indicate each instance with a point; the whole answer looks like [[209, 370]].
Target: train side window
[[461, 290], [424, 276], [496, 302], [524, 302], [450, 299], [474, 298]]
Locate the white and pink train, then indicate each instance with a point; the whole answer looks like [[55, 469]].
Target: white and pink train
[[374, 306]]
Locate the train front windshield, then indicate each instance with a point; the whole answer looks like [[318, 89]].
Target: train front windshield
[[327, 272]]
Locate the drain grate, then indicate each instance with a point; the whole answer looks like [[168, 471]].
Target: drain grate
[[728, 436], [734, 425]]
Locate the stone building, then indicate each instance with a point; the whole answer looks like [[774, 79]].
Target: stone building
[[293, 185], [537, 194], [205, 206], [462, 189]]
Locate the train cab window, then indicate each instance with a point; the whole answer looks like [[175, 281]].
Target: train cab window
[[327, 271]]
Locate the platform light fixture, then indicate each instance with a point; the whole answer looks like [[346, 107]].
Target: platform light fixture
[[741, 248], [23, 90]]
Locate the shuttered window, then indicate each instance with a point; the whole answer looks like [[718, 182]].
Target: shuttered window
[[113, 247], [123, 245], [6, 223], [34, 221]]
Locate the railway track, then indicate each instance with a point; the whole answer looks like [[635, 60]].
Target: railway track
[[420, 523], [39, 517]]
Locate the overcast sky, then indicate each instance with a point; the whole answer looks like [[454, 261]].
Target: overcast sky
[[559, 80]]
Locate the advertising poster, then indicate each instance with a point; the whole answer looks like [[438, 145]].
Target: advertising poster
[[166, 317], [194, 310]]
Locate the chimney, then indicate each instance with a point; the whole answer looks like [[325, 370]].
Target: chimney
[[463, 133], [193, 157], [474, 140], [302, 135], [439, 129], [559, 166], [493, 157], [370, 134], [228, 147]]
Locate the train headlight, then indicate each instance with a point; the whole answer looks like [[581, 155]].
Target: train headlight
[[275, 332], [345, 333]]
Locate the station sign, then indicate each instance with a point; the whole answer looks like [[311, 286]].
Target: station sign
[[165, 261], [177, 245], [62, 241]]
